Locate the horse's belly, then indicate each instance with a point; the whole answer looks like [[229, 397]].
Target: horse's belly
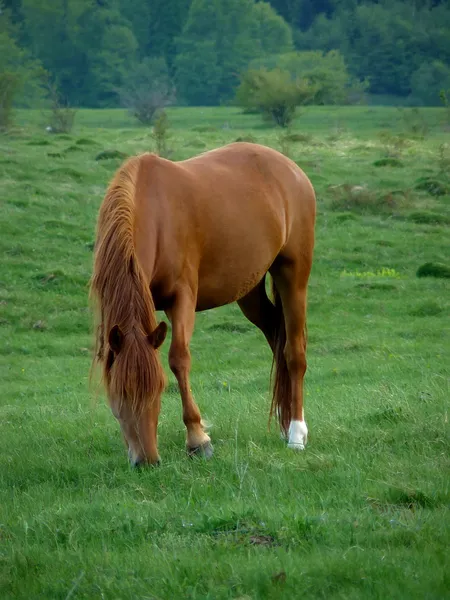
[[228, 278]]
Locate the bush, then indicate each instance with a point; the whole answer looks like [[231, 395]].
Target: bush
[[62, 116], [274, 94], [326, 73], [147, 89], [160, 134]]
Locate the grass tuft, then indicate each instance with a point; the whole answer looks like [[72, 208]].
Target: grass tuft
[[427, 309], [428, 218], [388, 161], [432, 186], [430, 269], [111, 154]]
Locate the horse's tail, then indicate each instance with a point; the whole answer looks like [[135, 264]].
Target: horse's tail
[[126, 308], [281, 382]]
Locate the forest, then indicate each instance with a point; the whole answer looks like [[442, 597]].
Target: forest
[[196, 51]]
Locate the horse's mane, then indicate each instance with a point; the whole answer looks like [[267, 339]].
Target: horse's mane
[[124, 299]]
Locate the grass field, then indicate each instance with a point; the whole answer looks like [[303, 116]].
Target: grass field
[[363, 511]]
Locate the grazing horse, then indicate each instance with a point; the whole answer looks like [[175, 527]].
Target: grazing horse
[[188, 236]]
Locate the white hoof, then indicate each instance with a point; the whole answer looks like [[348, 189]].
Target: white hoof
[[298, 435]]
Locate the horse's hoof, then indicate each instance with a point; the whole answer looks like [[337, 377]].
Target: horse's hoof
[[204, 450], [298, 435], [295, 446]]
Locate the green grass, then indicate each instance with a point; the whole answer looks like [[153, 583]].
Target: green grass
[[362, 512]]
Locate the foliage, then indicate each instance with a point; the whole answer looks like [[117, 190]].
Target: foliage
[[401, 49], [218, 41], [147, 89], [20, 75], [326, 73], [428, 82], [384, 42], [156, 26], [274, 94]]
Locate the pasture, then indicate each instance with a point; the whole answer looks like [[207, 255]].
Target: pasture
[[363, 511]]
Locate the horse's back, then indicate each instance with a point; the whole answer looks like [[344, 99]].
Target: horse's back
[[225, 215]]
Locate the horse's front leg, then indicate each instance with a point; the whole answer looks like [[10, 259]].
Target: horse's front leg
[[182, 317]]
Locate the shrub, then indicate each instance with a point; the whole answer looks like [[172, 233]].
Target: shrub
[[147, 89], [274, 94], [62, 116], [360, 199], [325, 72], [160, 134]]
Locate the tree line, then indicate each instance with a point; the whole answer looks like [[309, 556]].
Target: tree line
[[99, 53]]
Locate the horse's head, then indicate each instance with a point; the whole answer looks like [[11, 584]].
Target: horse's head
[[135, 381]]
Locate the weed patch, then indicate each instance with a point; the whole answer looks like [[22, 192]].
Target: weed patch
[[389, 414], [359, 198], [411, 499]]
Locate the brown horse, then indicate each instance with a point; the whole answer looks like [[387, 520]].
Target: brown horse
[[189, 236]]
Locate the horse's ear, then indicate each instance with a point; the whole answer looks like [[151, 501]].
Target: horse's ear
[[115, 339], [157, 336]]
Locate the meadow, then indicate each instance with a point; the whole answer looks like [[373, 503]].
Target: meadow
[[363, 511]]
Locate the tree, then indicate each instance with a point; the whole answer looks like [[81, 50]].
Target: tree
[[156, 26], [429, 81], [270, 30], [385, 42], [50, 29], [20, 74], [218, 41], [112, 64]]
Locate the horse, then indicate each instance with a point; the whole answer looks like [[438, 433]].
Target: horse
[[188, 236]]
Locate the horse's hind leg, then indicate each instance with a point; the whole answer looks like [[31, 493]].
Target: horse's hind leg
[[290, 280], [182, 317], [260, 311]]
